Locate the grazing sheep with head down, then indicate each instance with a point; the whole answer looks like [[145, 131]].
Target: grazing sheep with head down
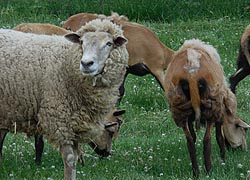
[[113, 116], [243, 61], [61, 87], [196, 90], [147, 54], [233, 128]]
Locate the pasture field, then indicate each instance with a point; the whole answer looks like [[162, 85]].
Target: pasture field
[[150, 146]]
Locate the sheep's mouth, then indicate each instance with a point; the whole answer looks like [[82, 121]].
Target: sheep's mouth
[[91, 72], [88, 72], [231, 146], [101, 152]]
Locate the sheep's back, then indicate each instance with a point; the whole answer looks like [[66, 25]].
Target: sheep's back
[[209, 70]]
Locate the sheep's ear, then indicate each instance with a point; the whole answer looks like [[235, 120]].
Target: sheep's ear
[[119, 112], [242, 124], [73, 37], [120, 40]]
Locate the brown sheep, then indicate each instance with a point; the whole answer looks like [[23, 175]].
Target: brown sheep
[[38, 28], [147, 54], [196, 90], [113, 132], [243, 61]]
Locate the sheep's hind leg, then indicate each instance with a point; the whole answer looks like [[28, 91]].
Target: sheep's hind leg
[[191, 129], [208, 146], [69, 155], [220, 140], [191, 149], [2, 137]]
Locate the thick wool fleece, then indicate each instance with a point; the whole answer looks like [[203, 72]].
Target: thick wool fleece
[[101, 25], [43, 90]]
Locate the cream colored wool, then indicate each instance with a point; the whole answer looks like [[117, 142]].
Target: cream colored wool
[[42, 87]]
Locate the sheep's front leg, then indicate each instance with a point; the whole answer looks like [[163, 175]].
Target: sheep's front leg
[[191, 149], [39, 145], [69, 155], [2, 137], [220, 140], [238, 76], [208, 146]]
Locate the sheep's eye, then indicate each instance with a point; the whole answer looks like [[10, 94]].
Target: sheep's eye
[[109, 43]]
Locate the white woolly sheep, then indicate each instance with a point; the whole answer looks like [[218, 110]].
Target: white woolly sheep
[[147, 54], [43, 90], [114, 116], [243, 61], [196, 90]]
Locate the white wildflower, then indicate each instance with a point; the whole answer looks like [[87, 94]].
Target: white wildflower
[[240, 166]]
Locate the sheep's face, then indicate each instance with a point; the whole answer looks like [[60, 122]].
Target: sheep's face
[[102, 145], [96, 49], [235, 133]]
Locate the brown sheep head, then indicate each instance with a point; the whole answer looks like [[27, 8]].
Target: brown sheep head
[[102, 145], [234, 130]]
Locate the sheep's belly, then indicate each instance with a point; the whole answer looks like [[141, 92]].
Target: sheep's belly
[[28, 127], [19, 103]]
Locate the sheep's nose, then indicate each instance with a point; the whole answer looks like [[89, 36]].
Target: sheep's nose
[[87, 64]]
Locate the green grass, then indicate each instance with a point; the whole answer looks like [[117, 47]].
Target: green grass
[[150, 10], [150, 146]]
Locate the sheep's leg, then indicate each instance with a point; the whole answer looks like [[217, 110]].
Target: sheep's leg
[[2, 137], [191, 129], [191, 149], [208, 146], [81, 157], [70, 156], [159, 78], [238, 76], [122, 88], [220, 140], [39, 145], [228, 146]]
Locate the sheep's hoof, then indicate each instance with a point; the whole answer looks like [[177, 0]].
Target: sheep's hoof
[[81, 160]]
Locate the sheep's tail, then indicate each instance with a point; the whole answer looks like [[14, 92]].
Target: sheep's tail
[[195, 101]]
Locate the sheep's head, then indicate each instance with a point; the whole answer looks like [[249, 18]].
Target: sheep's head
[[103, 144], [234, 130], [97, 43]]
